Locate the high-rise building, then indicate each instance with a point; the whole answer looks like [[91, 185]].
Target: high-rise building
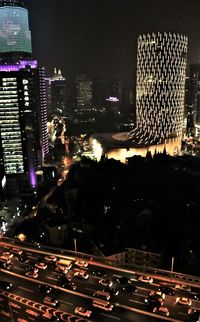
[[58, 93], [160, 89], [23, 116], [193, 100], [160, 92], [15, 36], [83, 93]]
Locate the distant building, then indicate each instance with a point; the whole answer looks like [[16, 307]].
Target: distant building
[[58, 93], [106, 94], [160, 92], [193, 100], [135, 257], [83, 94]]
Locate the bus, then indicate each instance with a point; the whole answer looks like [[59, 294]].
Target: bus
[[64, 262]]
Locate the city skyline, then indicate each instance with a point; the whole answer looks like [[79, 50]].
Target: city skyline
[[101, 38]]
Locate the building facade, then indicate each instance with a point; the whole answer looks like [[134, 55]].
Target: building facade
[[23, 119], [160, 94]]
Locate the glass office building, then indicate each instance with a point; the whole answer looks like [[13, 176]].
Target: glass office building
[[15, 35]]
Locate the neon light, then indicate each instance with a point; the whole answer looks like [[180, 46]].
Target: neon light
[[22, 64]]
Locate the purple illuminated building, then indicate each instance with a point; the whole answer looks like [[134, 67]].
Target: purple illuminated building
[[23, 115]]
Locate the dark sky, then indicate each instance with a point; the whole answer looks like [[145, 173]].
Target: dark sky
[[99, 37]]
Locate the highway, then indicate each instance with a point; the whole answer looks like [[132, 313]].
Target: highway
[[26, 300]]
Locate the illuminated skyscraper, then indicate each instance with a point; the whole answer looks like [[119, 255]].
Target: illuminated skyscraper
[[160, 93], [22, 99], [58, 93], [160, 89], [83, 93], [15, 36]]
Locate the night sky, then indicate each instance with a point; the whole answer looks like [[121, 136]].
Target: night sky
[[99, 37]]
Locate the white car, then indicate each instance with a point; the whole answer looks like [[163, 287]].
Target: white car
[[32, 274], [82, 311], [17, 251], [50, 258], [183, 287], [161, 310], [81, 263], [183, 301], [41, 265], [7, 254], [81, 274], [50, 301], [106, 282], [145, 279], [61, 269], [161, 294]]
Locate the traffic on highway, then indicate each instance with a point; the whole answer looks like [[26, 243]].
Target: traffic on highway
[[39, 286]]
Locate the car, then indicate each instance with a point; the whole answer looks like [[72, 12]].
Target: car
[[41, 265], [183, 301], [61, 269], [112, 291], [5, 285], [50, 301], [66, 282], [145, 279], [123, 280], [50, 258], [194, 314], [8, 255], [183, 287], [72, 286], [17, 251], [5, 265], [159, 293], [129, 288], [154, 301], [99, 273], [32, 268], [81, 274], [44, 288], [161, 310], [32, 274], [64, 278], [81, 263], [106, 282], [196, 297], [23, 259], [166, 290], [83, 311]]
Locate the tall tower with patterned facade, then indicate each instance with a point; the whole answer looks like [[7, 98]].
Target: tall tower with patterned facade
[[160, 89]]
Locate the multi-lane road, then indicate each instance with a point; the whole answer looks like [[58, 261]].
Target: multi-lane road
[[25, 301]]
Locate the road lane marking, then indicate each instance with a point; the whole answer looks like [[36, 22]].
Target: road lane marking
[[135, 301], [65, 302], [111, 316], [52, 278], [26, 289], [19, 268], [142, 295]]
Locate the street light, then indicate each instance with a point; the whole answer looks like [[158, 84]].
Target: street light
[[75, 245]]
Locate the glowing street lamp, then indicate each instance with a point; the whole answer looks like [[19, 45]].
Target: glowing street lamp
[[21, 237]]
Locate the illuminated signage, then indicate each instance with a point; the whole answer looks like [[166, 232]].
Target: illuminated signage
[[26, 93]]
